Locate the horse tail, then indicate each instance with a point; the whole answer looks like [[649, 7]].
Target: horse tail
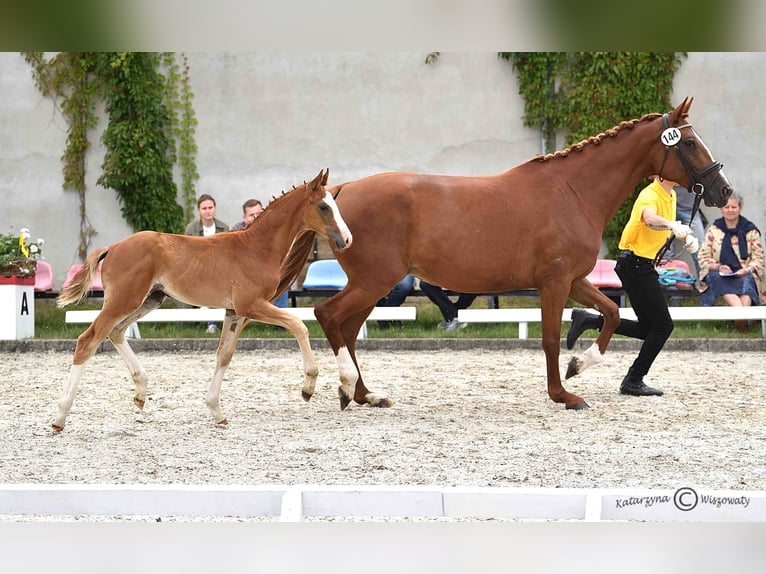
[[76, 291], [293, 262]]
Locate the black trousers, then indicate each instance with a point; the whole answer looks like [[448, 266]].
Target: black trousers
[[654, 325], [446, 306]]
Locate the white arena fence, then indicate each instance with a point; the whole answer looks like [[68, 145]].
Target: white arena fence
[[299, 502]]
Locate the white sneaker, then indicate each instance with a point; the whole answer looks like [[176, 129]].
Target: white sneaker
[[211, 328], [454, 325]]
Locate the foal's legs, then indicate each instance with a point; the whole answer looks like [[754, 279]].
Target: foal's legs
[[112, 321], [117, 337], [265, 312], [87, 343], [233, 324], [230, 331]]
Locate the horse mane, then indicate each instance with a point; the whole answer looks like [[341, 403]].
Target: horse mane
[[274, 201], [597, 139]]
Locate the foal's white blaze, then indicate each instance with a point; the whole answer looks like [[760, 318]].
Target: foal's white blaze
[[592, 356], [347, 371], [342, 227]]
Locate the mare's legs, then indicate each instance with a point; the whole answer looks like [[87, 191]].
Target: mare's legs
[[585, 293], [341, 316]]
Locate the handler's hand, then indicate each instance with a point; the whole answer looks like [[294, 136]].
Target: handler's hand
[[680, 230], [692, 244]]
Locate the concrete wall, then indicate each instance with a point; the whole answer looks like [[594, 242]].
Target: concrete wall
[[268, 121]]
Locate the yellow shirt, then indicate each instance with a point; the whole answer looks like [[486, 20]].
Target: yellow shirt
[[638, 237]]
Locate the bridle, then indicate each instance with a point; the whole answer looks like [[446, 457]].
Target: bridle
[[671, 137]]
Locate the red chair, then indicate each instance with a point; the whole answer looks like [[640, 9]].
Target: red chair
[[603, 274], [44, 277], [95, 286]]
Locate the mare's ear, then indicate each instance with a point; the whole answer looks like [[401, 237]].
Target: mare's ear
[[682, 111], [326, 176]]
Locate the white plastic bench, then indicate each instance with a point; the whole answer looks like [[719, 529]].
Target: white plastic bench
[[207, 314], [524, 316]]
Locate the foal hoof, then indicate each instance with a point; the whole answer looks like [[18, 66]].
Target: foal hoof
[[139, 403], [573, 368], [223, 422], [579, 406], [57, 428], [306, 396], [344, 401]]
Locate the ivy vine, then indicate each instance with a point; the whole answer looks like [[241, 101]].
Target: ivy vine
[[151, 126]]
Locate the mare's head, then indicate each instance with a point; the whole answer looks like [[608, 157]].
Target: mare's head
[[323, 215], [691, 160]]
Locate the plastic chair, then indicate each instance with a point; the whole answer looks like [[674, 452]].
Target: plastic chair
[[44, 276], [603, 274], [325, 274], [95, 286]]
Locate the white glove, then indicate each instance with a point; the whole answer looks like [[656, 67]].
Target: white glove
[[679, 229], [692, 244]]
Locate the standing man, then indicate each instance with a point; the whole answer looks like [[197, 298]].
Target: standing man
[[251, 209], [653, 214]]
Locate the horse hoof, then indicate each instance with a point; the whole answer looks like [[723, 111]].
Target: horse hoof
[[57, 428], [579, 406], [384, 403], [573, 368], [344, 401], [306, 396], [139, 403], [223, 422]]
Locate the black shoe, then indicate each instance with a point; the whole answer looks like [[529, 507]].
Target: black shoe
[[581, 321], [638, 389]]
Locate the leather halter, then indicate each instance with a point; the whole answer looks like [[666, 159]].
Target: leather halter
[[697, 187]]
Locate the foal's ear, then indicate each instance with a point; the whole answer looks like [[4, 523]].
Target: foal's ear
[[326, 176]]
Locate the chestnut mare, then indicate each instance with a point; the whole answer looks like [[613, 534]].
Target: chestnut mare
[[237, 270], [538, 225]]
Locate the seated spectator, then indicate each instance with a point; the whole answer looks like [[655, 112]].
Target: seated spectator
[[206, 224], [446, 306], [251, 209], [732, 260], [395, 298]]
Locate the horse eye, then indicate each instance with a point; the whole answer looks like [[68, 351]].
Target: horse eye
[[690, 144], [324, 208]]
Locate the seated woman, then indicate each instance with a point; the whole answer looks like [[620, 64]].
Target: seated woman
[[731, 260]]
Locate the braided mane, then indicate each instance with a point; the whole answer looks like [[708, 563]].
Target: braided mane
[[597, 139]]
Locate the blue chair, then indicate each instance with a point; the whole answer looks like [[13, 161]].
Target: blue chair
[[325, 274]]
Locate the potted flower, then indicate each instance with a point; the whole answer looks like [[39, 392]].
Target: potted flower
[[18, 255]]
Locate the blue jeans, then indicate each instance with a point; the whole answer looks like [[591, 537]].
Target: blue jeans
[[281, 301], [399, 293]]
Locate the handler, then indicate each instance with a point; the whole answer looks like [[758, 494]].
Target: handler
[[643, 236]]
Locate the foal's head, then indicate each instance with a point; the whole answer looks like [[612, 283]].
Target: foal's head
[[323, 215], [693, 160]]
